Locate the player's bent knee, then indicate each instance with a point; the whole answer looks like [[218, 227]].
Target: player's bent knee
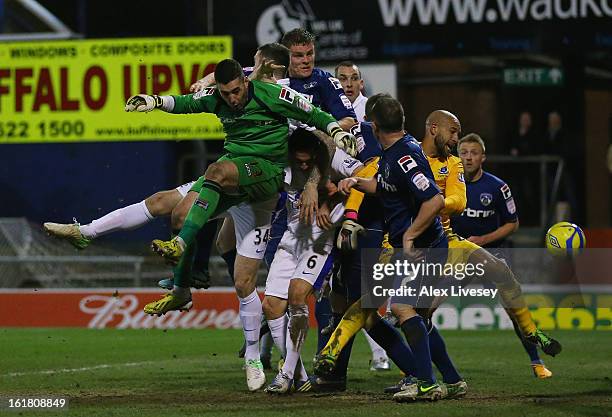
[[162, 203], [403, 312], [244, 287], [217, 172], [273, 307]]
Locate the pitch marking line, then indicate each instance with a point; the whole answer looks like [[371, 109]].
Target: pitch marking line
[[91, 368]]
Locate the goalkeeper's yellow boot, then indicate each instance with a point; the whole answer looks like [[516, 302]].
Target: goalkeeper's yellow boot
[[169, 302], [68, 232], [540, 371], [549, 345], [171, 250]]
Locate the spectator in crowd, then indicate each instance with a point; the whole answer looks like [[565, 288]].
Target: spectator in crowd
[[558, 142], [525, 141]]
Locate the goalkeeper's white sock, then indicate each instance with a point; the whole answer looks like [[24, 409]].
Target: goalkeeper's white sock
[[126, 218]]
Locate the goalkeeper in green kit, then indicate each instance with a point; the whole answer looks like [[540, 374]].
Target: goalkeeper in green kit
[[244, 182]]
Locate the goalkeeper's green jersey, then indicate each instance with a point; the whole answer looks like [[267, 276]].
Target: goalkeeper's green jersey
[[261, 128]]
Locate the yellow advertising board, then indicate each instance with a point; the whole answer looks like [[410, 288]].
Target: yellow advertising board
[[75, 91]]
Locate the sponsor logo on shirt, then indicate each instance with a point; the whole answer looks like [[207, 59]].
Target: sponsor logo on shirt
[[486, 199], [303, 104], [407, 163], [385, 185], [470, 212], [208, 91], [346, 101], [511, 206], [505, 190], [420, 181], [287, 95], [335, 82]]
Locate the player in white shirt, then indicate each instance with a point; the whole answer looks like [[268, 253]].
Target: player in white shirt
[[349, 75], [304, 256]]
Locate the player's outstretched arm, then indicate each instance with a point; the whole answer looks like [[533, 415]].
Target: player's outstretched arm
[[365, 185]]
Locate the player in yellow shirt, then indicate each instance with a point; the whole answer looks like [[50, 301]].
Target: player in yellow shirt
[[442, 129]]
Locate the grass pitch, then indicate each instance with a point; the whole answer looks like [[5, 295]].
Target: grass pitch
[[197, 373]]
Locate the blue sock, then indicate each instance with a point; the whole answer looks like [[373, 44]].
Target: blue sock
[[322, 314], [229, 258], [205, 239], [530, 348], [416, 334], [440, 358], [393, 343]]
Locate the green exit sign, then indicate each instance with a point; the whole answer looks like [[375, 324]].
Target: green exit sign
[[533, 76]]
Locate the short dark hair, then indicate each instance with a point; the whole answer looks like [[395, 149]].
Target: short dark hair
[[388, 114], [228, 70], [347, 64], [297, 36], [302, 140], [277, 53], [371, 102]]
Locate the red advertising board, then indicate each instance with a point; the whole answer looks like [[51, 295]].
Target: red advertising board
[[103, 308]]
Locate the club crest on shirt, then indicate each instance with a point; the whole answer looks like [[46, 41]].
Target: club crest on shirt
[[443, 170], [486, 199]]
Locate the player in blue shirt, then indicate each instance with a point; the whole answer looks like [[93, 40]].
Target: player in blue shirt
[[490, 215], [489, 218], [411, 203]]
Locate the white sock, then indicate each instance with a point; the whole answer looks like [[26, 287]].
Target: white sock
[[278, 329], [250, 315], [377, 351], [297, 329], [126, 218]]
